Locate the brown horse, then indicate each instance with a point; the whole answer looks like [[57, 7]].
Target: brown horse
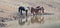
[[36, 10], [41, 9]]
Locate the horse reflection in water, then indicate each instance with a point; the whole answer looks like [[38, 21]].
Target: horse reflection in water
[[37, 19], [22, 21], [34, 19]]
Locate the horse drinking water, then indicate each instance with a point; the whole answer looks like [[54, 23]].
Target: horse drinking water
[[21, 8]]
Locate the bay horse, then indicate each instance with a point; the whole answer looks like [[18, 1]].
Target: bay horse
[[36, 10], [41, 9]]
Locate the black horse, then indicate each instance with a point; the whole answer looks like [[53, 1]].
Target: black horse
[[21, 8]]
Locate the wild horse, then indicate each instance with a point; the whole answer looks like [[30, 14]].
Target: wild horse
[[36, 10], [21, 8]]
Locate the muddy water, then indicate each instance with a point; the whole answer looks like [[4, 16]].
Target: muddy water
[[47, 20]]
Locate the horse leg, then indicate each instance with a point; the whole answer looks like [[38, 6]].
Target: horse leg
[[42, 11], [32, 13], [26, 12], [21, 12], [39, 11], [36, 12]]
